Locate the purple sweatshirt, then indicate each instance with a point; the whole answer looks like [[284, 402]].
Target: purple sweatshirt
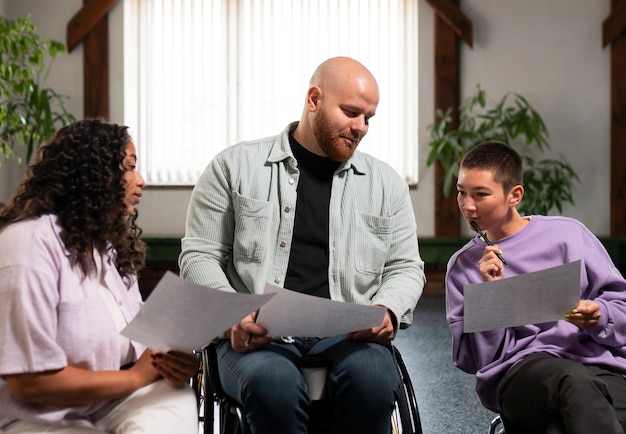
[[544, 242]]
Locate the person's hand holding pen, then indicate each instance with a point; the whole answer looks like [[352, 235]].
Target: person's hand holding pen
[[491, 265], [247, 335]]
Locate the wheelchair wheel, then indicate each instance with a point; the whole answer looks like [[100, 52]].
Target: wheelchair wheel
[[405, 418]]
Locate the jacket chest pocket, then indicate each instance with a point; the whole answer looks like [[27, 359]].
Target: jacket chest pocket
[[372, 241], [252, 220]]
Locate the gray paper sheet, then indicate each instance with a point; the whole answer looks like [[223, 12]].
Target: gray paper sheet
[[184, 316], [531, 298], [291, 313]]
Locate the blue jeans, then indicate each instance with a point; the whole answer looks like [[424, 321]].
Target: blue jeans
[[361, 384]]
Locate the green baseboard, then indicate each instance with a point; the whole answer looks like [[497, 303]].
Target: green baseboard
[[434, 250], [162, 249]]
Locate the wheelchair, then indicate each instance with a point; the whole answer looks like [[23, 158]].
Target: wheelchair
[[209, 393], [496, 426]]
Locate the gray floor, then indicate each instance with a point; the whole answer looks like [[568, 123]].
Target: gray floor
[[445, 394]]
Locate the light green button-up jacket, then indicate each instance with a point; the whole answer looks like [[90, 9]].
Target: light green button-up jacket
[[240, 223]]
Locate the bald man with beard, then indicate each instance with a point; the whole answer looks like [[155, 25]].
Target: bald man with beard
[[307, 211]]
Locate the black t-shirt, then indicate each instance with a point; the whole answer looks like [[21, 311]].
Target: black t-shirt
[[307, 271]]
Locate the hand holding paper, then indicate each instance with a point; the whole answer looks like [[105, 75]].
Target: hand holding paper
[[291, 313], [585, 316], [184, 316], [530, 298]]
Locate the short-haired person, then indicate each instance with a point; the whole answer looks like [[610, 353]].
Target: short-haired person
[[69, 256], [305, 210], [564, 376]]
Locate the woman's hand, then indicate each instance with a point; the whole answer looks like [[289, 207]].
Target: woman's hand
[[143, 371], [585, 316], [176, 367]]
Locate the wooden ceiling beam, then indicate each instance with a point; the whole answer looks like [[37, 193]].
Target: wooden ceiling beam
[[615, 23], [86, 20], [96, 69], [451, 14], [90, 26]]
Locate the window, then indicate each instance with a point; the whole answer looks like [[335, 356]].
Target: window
[[201, 75]]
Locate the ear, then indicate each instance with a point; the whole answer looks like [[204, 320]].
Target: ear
[[313, 98], [516, 195]]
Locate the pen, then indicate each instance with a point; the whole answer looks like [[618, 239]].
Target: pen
[[486, 240], [256, 315]]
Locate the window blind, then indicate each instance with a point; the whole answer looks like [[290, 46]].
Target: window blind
[[201, 75]]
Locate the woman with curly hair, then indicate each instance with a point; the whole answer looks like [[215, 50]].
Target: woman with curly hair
[[69, 256]]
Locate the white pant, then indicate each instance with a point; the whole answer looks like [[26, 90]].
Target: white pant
[[154, 409]]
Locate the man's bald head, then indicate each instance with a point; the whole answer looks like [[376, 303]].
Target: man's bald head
[[341, 71], [342, 97]]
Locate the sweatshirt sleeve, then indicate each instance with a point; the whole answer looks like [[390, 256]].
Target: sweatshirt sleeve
[[470, 351], [603, 283]]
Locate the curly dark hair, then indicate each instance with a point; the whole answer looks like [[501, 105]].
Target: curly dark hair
[[79, 177]]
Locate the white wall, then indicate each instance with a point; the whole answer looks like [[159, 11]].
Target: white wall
[[66, 76], [549, 51]]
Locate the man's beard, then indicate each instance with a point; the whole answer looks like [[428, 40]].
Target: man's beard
[[333, 145]]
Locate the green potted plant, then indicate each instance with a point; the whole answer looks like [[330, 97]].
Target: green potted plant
[[548, 182], [29, 112]]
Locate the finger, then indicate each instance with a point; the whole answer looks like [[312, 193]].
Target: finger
[[188, 362], [255, 329], [174, 376], [181, 368], [182, 355], [173, 370], [377, 330], [249, 343], [169, 359], [493, 269], [163, 373], [361, 335]]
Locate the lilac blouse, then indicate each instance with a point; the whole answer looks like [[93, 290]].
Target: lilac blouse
[[51, 317]]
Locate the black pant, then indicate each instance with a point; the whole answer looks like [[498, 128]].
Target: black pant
[[547, 395]]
